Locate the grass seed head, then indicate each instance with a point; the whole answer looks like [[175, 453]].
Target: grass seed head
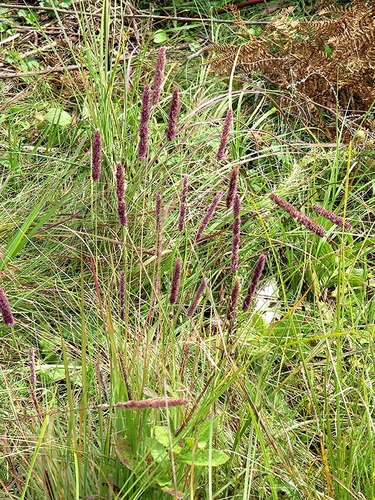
[[6, 311], [120, 192], [232, 189], [120, 182], [257, 273], [121, 211], [233, 303], [159, 74], [143, 404], [224, 135], [208, 216], [197, 296], [176, 279], [174, 111], [336, 219], [296, 214], [96, 158]]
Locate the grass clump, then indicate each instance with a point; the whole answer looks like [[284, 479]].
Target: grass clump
[[176, 333]]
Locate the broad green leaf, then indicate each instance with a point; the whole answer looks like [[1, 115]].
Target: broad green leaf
[[52, 373], [163, 480], [158, 452], [59, 117], [125, 454], [204, 458], [204, 429], [30, 17], [192, 443], [160, 36], [161, 435]]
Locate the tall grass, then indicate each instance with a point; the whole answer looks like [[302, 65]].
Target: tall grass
[[136, 391]]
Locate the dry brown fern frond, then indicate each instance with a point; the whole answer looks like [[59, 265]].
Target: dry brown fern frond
[[327, 62]]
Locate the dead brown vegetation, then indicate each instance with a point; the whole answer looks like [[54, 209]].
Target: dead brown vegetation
[[324, 63]]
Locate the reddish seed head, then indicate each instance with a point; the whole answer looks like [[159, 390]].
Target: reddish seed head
[[120, 192], [143, 126], [339, 221], [232, 311], [142, 146], [120, 182], [5, 309], [159, 74], [224, 135], [292, 211], [257, 273], [174, 111], [232, 189], [149, 403], [146, 105], [196, 298], [206, 219], [96, 157], [121, 211]]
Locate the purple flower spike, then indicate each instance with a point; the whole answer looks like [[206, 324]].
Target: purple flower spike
[[232, 311], [159, 75], [339, 221], [121, 211], [257, 273], [120, 182], [293, 212], [120, 192], [224, 135], [232, 187], [5, 309], [196, 298], [206, 219], [96, 158]]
